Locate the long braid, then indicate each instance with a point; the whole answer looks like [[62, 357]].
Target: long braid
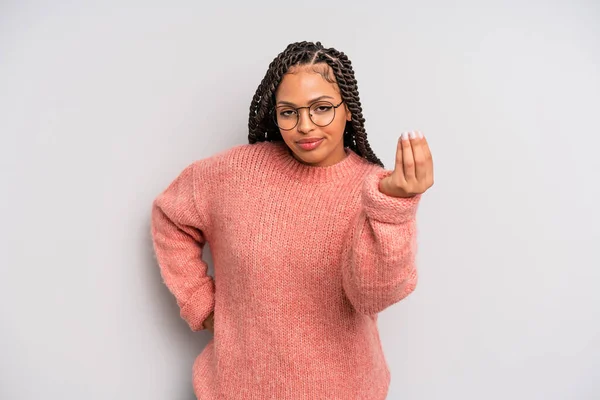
[[262, 128]]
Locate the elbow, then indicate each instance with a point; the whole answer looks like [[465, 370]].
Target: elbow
[[157, 214], [371, 301]]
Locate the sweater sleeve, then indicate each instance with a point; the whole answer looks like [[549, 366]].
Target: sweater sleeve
[[379, 258], [179, 223]]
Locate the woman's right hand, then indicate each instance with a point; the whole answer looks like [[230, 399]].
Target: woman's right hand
[[209, 322]]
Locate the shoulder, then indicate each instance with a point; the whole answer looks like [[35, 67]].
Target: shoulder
[[245, 153], [365, 178], [365, 169], [231, 160]]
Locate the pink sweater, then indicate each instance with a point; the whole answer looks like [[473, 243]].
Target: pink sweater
[[304, 259]]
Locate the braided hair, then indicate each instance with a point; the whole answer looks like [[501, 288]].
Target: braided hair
[[262, 127]]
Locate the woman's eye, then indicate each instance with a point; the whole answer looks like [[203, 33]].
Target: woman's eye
[[287, 113], [323, 108]]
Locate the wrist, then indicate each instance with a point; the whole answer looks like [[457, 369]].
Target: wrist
[[384, 187]]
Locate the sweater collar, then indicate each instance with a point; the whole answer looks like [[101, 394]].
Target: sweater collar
[[291, 167]]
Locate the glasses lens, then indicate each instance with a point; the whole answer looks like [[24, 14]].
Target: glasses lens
[[322, 113], [285, 117]]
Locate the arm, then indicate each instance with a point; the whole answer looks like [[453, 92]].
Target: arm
[[179, 223], [379, 268]]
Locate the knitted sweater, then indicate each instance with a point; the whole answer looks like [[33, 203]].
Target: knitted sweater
[[304, 259]]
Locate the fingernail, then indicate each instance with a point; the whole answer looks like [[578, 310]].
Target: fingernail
[[404, 135], [420, 134], [413, 135]]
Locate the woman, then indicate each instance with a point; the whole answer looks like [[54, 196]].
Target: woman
[[311, 238]]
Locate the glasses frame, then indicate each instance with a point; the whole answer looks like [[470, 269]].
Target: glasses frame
[[274, 114]]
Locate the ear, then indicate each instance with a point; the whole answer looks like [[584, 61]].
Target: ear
[[348, 113]]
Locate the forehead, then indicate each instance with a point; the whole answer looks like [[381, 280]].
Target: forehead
[[303, 83]]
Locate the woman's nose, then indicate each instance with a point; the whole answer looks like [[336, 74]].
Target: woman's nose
[[305, 124]]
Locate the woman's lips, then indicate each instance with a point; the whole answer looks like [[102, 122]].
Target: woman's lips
[[310, 145]]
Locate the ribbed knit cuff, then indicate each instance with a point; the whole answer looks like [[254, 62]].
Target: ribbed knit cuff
[[199, 306], [382, 207]]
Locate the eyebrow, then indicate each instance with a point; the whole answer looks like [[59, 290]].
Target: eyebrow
[[311, 101]]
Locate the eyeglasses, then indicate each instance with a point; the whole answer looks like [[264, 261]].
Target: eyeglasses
[[321, 113]]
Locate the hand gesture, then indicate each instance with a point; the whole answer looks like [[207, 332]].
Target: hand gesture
[[413, 172]]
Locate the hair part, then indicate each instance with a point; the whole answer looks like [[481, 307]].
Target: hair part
[[262, 128]]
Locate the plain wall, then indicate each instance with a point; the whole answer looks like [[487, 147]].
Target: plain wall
[[103, 103]]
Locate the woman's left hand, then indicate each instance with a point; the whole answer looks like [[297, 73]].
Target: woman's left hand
[[413, 172]]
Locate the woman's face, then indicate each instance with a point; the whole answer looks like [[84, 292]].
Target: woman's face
[[300, 87]]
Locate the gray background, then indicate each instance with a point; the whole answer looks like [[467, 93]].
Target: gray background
[[103, 103]]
